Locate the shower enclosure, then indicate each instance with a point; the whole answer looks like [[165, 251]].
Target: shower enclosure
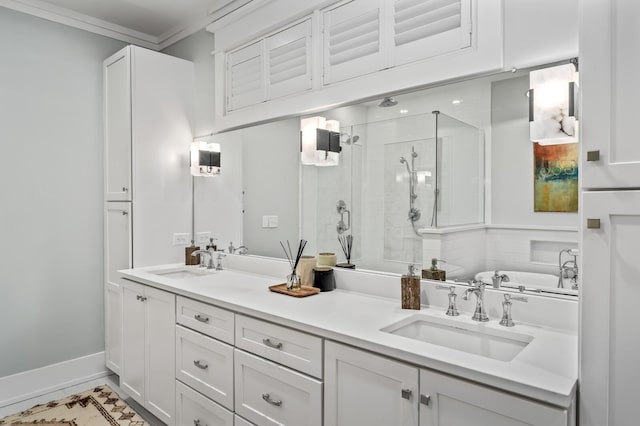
[[401, 178]]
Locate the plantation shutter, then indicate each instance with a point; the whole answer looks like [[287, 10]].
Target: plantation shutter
[[245, 76]]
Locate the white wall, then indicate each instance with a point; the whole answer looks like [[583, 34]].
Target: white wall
[[51, 156]]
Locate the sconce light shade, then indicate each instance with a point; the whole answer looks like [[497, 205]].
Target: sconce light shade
[[319, 142], [205, 159], [552, 105]]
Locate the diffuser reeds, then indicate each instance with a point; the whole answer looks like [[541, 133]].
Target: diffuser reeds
[[293, 281], [346, 242]]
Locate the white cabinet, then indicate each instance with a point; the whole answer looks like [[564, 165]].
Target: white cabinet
[[445, 400], [148, 361], [193, 409], [117, 127], [269, 394], [610, 87], [609, 344], [367, 389], [117, 226]]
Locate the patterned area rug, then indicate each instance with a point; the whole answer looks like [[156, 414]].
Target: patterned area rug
[[96, 407]]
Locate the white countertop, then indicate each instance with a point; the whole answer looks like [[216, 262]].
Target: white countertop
[[545, 370]]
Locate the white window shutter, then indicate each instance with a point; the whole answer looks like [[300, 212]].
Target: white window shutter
[[245, 76], [289, 60], [352, 40], [427, 28]]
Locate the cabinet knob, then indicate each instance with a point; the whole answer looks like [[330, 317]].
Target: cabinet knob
[[141, 298], [200, 365], [201, 318], [406, 393], [275, 402], [269, 343], [124, 212], [197, 422], [125, 189], [593, 223], [425, 399], [593, 155]]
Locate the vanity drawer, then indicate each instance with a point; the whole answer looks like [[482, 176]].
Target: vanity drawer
[[294, 349], [207, 319], [270, 394], [239, 421], [192, 408], [205, 364]]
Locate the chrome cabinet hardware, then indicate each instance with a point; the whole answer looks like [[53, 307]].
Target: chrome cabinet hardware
[[593, 223], [425, 399], [275, 402], [141, 298], [200, 365], [125, 189], [269, 343], [593, 155], [201, 318], [197, 422], [480, 314], [406, 393], [124, 212], [452, 310]]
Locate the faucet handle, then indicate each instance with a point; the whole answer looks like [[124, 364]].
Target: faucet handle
[[452, 310], [506, 320]]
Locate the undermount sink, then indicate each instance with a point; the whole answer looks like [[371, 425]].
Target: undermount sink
[[500, 345], [178, 274]]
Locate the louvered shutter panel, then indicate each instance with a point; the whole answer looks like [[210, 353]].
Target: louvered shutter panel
[[352, 40], [427, 28], [289, 60], [245, 76]]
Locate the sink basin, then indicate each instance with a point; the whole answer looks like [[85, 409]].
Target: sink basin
[[500, 345], [178, 274]]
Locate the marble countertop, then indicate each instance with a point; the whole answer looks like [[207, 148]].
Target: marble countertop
[[545, 370]]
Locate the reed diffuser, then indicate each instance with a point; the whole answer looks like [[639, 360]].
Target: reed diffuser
[[293, 280], [346, 242]]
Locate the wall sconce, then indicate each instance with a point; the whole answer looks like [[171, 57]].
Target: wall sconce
[[205, 159], [320, 142], [552, 104]]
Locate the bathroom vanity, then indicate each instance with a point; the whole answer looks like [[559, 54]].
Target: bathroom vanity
[[350, 356]]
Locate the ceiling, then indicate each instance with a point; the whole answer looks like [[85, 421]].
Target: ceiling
[[149, 23]]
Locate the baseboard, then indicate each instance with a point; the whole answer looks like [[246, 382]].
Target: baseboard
[[33, 383]]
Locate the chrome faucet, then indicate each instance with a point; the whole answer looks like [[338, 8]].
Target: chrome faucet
[[497, 279], [506, 320], [205, 252], [242, 250], [568, 269], [219, 259], [478, 289]]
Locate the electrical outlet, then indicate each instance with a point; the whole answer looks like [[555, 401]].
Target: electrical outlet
[[181, 239], [265, 221], [273, 221], [203, 237]]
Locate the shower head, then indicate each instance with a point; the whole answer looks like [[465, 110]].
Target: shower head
[[403, 160], [388, 102]]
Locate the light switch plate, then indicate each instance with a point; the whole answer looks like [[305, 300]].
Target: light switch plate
[[203, 237], [265, 221], [273, 221], [180, 239]]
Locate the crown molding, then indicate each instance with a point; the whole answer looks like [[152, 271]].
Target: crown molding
[[88, 23]]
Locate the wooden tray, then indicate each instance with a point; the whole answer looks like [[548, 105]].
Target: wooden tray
[[303, 292]]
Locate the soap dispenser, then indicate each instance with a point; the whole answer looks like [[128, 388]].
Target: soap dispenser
[[410, 290], [434, 273], [191, 260], [211, 245]]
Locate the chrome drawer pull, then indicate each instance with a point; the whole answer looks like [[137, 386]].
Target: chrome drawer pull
[[141, 298], [406, 393], [198, 423], [425, 399], [593, 223], [593, 155], [200, 365], [267, 398], [201, 318], [269, 343]]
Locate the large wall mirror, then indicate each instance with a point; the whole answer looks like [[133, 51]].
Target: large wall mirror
[[446, 172]]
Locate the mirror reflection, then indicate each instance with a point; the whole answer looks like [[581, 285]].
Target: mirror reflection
[[445, 178]]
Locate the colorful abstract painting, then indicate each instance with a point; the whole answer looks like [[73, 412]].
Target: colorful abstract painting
[[555, 178]]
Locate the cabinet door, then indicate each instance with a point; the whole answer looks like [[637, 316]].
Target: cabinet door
[[117, 126], [610, 88], [245, 76], [113, 326], [160, 353], [366, 389], [423, 29], [352, 40], [609, 341], [446, 401], [288, 60], [132, 379]]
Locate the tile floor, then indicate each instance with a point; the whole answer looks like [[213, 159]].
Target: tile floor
[[112, 381]]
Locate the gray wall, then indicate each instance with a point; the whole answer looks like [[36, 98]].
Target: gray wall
[[51, 244]]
